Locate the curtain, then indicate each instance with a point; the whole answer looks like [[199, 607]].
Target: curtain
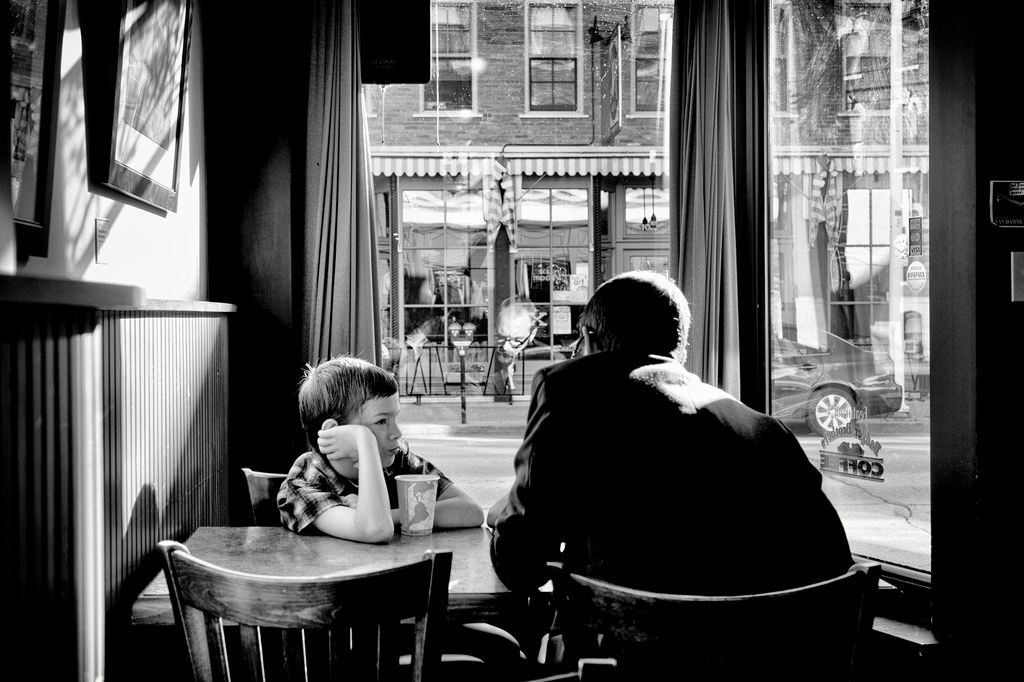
[[701, 164], [341, 300]]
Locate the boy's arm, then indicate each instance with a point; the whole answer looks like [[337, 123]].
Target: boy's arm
[[370, 520], [456, 508]]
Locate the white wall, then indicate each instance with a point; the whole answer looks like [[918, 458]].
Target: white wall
[[164, 253]]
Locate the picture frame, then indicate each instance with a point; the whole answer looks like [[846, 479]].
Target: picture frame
[[149, 101], [36, 28]]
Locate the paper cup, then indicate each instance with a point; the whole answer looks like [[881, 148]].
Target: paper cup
[[417, 494]]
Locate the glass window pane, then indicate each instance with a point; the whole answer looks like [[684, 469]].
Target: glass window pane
[[533, 275], [424, 325], [465, 220], [423, 219], [451, 32], [563, 97], [534, 218], [849, 329], [541, 70], [451, 85], [547, 44], [552, 30], [570, 211], [418, 266], [563, 70], [646, 211]]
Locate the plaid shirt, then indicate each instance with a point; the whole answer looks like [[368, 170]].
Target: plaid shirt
[[313, 487]]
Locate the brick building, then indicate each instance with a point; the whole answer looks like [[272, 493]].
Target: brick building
[[527, 170]]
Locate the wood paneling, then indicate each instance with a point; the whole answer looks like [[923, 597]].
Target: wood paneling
[[165, 437]]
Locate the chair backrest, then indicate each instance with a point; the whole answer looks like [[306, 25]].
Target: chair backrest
[[807, 633], [325, 627], [263, 489]]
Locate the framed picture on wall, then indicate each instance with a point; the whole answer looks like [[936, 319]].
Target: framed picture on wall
[[149, 101], [36, 28]]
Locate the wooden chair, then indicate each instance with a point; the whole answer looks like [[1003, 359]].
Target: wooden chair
[[808, 633], [263, 489], [324, 628]]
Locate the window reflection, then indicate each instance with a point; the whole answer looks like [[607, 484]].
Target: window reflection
[[850, 194]]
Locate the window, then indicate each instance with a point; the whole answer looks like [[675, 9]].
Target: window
[[650, 38], [451, 68], [444, 262], [552, 267], [850, 347], [553, 64], [647, 212]]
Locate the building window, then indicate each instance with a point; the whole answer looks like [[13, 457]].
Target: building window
[[553, 62], [451, 68], [445, 277], [650, 38], [552, 268]]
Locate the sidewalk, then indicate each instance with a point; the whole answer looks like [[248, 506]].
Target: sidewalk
[[484, 417], [487, 417]]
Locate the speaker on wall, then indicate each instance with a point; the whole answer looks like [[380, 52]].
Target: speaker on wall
[[394, 41]]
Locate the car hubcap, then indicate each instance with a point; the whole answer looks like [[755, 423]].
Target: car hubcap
[[833, 412]]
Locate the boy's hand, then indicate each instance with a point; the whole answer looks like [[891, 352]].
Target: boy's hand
[[340, 441], [350, 500]]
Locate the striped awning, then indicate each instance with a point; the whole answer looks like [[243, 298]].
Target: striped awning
[[552, 161], [607, 161], [871, 164]]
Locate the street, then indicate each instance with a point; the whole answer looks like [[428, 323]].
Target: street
[[888, 519]]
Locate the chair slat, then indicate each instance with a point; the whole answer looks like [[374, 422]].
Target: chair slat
[[292, 654], [250, 652]]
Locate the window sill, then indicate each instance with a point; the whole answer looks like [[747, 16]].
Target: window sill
[[903, 612], [905, 634], [553, 114], [447, 114]]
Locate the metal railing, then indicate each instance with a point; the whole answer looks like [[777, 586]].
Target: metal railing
[[435, 370]]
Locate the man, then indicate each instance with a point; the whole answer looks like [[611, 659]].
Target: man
[[634, 471], [518, 323]]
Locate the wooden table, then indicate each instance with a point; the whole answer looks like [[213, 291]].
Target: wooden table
[[475, 592]]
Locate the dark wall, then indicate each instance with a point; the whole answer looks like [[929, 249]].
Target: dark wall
[[255, 70], [999, 371], [977, 369]]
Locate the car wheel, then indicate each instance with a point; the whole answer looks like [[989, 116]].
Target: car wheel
[[830, 409]]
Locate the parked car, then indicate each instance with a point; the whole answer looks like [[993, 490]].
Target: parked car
[[825, 386]]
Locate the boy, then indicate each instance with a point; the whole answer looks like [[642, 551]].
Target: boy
[[345, 485]]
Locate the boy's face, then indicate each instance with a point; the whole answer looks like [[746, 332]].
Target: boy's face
[[380, 415]]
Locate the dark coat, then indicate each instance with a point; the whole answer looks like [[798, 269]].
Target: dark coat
[[653, 479]]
